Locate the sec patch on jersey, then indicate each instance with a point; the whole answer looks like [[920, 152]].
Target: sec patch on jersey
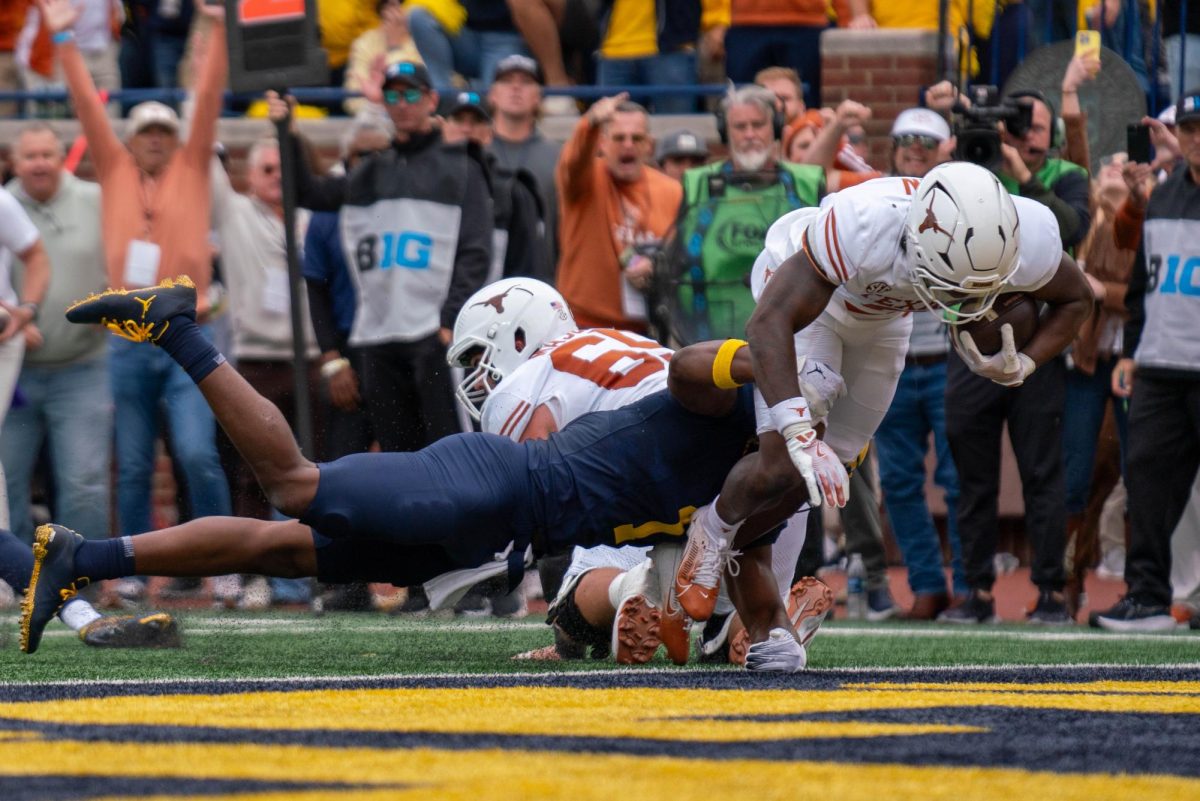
[[1018, 309]]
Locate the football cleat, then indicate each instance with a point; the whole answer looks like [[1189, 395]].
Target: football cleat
[[809, 601], [158, 630], [675, 630], [53, 582], [637, 625], [779, 653], [698, 580], [139, 315], [676, 625]]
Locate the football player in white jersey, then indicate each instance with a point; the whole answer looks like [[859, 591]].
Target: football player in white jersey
[[837, 284], [529, 372]]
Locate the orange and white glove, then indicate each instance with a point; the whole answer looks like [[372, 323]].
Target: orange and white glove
[[822, 471]]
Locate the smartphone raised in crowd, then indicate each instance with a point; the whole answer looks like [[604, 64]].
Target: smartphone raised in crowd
[[1087, 43], [1137, 143]]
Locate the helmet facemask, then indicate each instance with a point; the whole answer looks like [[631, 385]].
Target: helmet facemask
[[481, 377], [946, 298]]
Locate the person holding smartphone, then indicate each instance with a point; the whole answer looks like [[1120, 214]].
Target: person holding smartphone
[[1159, 373]]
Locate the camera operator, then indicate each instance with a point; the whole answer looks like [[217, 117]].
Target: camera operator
[[977, 409], [727, 207], [1029, 129]]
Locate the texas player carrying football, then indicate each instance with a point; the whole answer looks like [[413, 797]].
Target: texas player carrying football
[[837, 284], [530, 371]]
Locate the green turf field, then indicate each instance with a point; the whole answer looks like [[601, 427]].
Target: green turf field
[[291, 707], [233, 645]]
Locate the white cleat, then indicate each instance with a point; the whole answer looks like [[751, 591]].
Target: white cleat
[[637, 626], [779, 653]]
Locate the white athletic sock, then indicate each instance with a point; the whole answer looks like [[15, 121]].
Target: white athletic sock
[[77, 613], [719, 526]]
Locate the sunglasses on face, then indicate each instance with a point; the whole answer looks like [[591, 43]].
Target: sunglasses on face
[[908, 140], [393, 96]]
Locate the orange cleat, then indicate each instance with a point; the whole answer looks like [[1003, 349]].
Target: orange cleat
[[809, 601]]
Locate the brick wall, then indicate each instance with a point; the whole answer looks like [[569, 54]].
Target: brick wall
[[882, 69]]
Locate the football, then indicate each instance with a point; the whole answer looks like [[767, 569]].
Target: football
[[1018, 309]]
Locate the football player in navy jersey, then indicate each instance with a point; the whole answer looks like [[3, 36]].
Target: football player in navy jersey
[[467, 501]]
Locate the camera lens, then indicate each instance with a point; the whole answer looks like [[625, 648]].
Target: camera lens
[[979, 146]]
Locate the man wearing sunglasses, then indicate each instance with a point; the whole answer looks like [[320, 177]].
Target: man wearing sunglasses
[[416, 224]]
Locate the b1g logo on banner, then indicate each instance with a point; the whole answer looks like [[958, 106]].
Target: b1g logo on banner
[[274, 44]]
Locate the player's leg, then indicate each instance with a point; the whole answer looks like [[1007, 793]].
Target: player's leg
[[64, 562], [155, 629], [166, 316], [610, 601], [773, 644]]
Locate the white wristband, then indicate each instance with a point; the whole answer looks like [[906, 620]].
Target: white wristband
[[790, 412], [333, 367]]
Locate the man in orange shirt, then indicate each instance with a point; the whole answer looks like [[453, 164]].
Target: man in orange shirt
[[155, 213], [613, 210]]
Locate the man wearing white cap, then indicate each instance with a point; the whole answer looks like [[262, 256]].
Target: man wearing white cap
[[920, 140], [155, 217]]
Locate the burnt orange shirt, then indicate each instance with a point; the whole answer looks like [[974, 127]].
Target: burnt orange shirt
[[598, 219], [12, 19], [173, 210]]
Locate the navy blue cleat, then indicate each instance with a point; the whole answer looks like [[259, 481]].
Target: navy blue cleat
[[156, 630], [139, 315], [54, 581]]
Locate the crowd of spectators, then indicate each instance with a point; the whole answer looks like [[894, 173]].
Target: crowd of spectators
[[444, 167]]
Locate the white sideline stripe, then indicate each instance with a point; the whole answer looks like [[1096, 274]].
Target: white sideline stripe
[[1002, 634], [216, 624], [628, 671]]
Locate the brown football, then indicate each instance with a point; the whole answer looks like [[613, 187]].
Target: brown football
[[1018, 309]]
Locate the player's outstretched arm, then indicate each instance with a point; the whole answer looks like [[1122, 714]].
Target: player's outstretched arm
[[704, 377], [1070, 299]]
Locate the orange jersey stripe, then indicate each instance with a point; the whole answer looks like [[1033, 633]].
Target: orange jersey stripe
[[808, 252], [835, 252], [514, 418]]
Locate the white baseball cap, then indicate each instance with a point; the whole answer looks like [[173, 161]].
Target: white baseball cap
[[921, 122], [151, 113]]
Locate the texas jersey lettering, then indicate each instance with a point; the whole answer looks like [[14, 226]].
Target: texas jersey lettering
[[593, 370]]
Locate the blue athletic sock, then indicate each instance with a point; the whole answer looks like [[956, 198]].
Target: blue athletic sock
[[185, 342], [100, 560], [16, 561]]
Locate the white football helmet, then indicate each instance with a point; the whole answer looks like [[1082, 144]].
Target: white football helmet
[[963, 239], [504, 323]]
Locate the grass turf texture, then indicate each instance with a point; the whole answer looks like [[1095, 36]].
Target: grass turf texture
[[396, 709], [290, 644]]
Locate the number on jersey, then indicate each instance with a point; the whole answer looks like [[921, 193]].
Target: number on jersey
[[610, 359]]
